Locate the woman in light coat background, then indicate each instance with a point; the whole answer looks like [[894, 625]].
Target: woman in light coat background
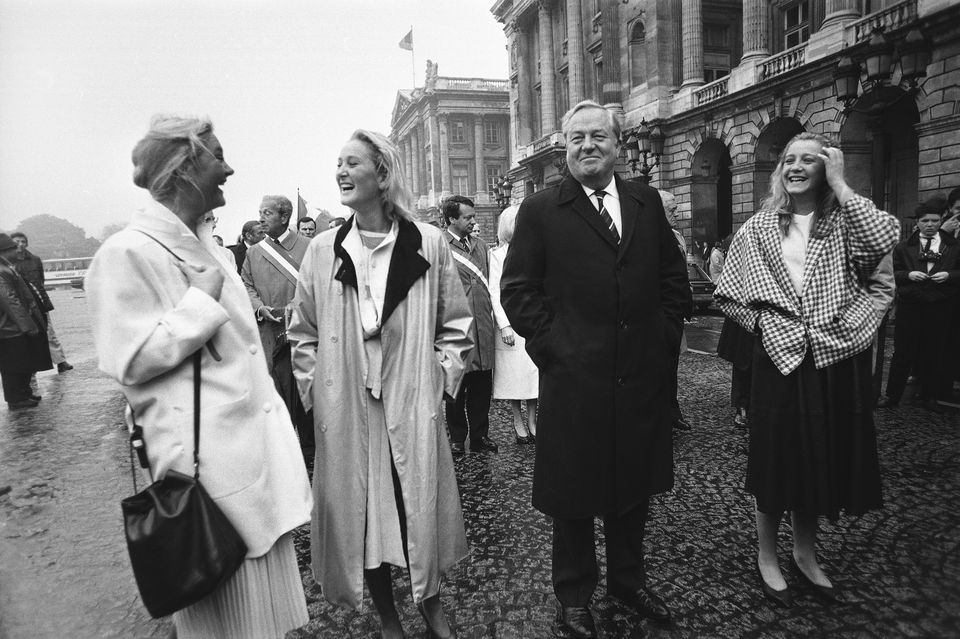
[[379, 333], [515, 376], [158, 291]]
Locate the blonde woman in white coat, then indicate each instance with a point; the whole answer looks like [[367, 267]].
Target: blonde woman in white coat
[[151, 312], [515, 376]]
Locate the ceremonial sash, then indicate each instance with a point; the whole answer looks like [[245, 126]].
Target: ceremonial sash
[[470, 265], [282, 261]]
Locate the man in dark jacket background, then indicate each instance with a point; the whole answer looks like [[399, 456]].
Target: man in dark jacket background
[[926, 267], [595, 283]]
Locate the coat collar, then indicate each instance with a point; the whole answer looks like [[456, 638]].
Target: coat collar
[[406, 264], [631, 203], [160, 223], [771, 245], [945, 239]]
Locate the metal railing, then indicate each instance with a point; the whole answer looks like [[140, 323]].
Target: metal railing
[[473, 84], [783, 62]]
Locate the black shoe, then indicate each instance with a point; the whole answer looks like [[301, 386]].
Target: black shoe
[[574, 622], [433, 634], [35, 398], [457, 449], [886, 402], [681, 424], [827, 593], [523, 440], [780, 597], [23, 403], [63, 367], [644, 602], [483, 444]]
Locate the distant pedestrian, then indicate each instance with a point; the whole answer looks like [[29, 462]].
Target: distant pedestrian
[[676, 413], [515, 376], [379, 333], [251, 233], [471, 410], [595, 283], [158, 293], [307, 227], [717, 257], [23, 343], [926, 267], [794, 276], [30, 268]]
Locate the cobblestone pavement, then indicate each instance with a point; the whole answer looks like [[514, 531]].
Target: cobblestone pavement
[[64, 571]]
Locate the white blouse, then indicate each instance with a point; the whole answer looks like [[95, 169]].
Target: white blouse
[[794, 245]]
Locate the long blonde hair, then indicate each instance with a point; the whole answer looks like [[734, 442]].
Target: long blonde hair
[[780, 201], [395, 196]]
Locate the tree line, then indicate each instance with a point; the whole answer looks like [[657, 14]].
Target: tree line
[[53, 237]]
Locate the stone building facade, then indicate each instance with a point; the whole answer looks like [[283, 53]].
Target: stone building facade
[[453, 136], [728, 82]]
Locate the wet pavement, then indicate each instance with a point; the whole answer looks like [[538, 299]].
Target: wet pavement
[[64, 570]]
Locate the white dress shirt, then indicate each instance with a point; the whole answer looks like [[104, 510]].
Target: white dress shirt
[[934, 246], [611, 201]]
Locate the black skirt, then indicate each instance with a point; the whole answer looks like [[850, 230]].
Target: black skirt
[[813, 445], [735, 344]]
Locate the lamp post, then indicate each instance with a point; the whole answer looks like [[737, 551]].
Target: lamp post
[[875, 65], [503, 190], [644, 148]]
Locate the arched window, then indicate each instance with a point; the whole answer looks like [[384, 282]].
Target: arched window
[[638, 55]]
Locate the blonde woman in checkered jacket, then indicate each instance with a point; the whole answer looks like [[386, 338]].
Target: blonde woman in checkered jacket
[[795, 276]]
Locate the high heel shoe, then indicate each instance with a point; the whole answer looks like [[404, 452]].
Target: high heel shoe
[[827, 593], [524, 439], [780, 597], [431, 631]]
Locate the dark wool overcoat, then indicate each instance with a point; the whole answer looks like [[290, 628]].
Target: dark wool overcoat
[[601, 322]]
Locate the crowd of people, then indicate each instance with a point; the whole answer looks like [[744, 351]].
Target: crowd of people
[[346, 343]]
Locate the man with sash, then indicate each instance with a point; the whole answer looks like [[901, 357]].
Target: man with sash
[[269, 272], [471, 408]]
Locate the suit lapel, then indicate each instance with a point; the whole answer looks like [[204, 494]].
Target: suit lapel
[[572, 194], [771, 245], [406, 267], [820, 236], [630, 207]]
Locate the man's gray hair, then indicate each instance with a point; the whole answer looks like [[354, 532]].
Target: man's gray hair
[[590, 104]]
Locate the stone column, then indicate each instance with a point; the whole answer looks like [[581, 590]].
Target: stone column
[[524, 84], [840, 11], [610, 21], [415, 165], [692, 43], [444, 157], [478, 157], [575, 50], [434, 146], [405, 153], [548, 98], [755, 38]]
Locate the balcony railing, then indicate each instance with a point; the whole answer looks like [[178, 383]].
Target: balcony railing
[[783, 62], [472, 84], [555, 138], [889, 19], [713, 91]]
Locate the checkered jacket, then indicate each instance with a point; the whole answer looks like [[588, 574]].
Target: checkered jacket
[[833, 314]]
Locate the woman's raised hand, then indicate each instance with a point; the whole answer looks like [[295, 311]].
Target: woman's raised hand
[[209, 280], [833, 166]]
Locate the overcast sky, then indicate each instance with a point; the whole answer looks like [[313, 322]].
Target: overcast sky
[[284, 81]]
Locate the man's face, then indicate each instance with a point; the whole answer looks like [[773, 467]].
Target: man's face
[[592, 148], [21, 243], [928, 224], [462, 225], [308, 228], [670, 208], [272, 221], [254, 235]]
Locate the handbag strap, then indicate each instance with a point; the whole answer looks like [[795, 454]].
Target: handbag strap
[[196, 414]]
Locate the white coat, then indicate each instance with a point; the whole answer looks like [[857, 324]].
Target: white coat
[[147, 323]]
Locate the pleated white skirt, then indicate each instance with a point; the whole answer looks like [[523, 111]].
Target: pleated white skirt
[[263, 600]]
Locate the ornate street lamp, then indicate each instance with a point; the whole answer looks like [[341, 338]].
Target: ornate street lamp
[[644, 148], [914, 57], [846, 81], [878, 57]]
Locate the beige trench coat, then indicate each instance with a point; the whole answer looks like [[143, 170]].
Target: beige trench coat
[[424, 338]]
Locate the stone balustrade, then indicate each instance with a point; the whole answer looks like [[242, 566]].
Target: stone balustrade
[[713, 91], [783, 62], [888, 19]]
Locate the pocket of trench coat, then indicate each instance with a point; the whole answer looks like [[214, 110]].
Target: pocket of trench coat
[[232, 443]]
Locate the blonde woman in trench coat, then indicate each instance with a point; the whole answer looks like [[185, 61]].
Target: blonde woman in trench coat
[[150, 313], [379, 332]]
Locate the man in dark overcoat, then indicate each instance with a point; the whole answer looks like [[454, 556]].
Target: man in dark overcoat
[[595, 283], [470, 410]]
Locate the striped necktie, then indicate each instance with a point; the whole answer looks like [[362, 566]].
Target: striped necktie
[[605, 216]]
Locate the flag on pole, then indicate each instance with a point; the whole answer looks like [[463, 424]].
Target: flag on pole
[[407, 42], [301, 207]]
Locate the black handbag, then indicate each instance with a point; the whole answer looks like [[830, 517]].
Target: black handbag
[[181, 544]]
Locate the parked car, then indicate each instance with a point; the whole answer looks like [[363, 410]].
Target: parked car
[[701, 287]]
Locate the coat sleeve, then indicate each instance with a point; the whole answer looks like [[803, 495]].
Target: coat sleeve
[[496, 272], [452, 342], [146, 320], [880, 285], [13, 307], [521, 284], [676, 299], [246, 274], [871, 233], [302, 331], [731, 291]]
